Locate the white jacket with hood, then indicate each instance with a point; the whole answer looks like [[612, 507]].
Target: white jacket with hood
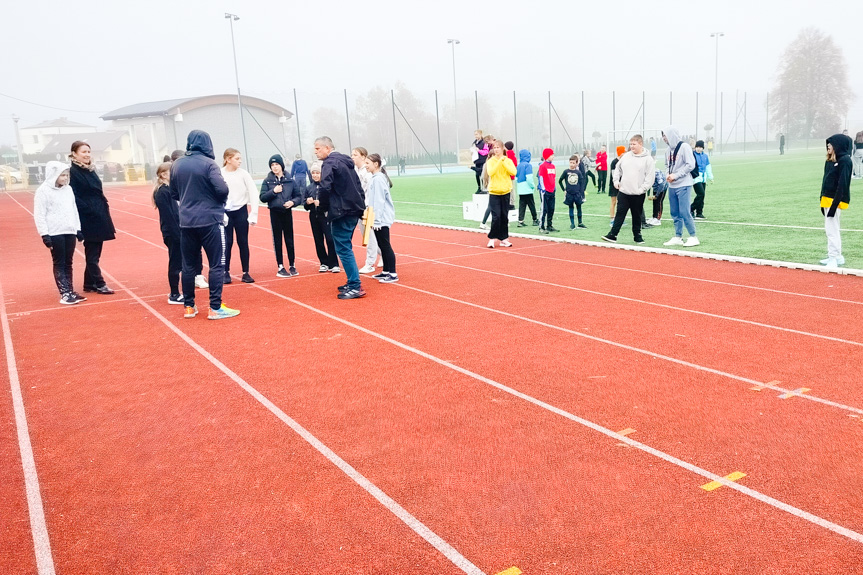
[[54, 207], [634, 173], [685, 159]]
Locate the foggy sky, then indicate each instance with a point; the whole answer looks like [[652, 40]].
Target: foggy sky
[[98, 56]]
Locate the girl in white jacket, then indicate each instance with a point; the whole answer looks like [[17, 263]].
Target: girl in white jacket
[[58, 223]]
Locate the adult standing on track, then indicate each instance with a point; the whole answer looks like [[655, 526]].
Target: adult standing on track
[[680, 160], [96, 224], [198, 183], [342, 197], [200, 280], [500, 172], [241, 193]]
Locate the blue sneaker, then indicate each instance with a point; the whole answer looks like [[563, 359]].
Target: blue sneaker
[[223, 312]]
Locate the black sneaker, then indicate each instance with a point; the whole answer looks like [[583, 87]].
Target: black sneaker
[[700, 217], [175, 299], [390, 279], [639, 240], [343, 288], [553, 229], [247, 279], [522, 225], [536, 222], [282, 273], [352, 294], [68, 299], [572, 226], [543, 231], [104, 290], [227, 279], [610, 238], [293, 271], [380, 276], [582, 226], [78, 296]]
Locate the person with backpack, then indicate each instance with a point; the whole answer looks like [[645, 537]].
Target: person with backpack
[[682, 168]]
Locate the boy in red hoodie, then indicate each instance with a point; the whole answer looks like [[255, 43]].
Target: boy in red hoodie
[[602, 169], [547, 184]]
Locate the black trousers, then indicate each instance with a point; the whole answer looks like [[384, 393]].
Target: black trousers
[[526, 201], [175, 263], [389, 256], [282, 222], [632, 204], [547, 210], [499, 205], [477, 168], [592, 177], [212, 239], [324, 245], [238, 221], [657, 204], [92, 273], [62, 250], [698, 202], [603, 178]]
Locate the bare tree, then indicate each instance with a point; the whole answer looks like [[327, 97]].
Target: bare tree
[[811, 94]]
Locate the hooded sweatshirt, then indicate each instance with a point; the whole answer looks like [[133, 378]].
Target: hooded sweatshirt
[[836, 183], [681, 167], [381, 202], [340, 192], [54, 207], [524, 183], [197, 183], [500, 172], [634, 173]]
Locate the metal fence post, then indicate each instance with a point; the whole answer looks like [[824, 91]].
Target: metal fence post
[[348, 120], [297, 116], [439, 152], [395, 126], [549, 120], [583, 136], [515, 118]]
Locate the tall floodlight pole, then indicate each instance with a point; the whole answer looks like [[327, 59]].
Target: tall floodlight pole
[[25, 178], [716, 35], [231, 19], [452, 42]]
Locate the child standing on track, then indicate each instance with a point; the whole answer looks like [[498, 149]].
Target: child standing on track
[[547, 184], [241, 193], [169, 222], [500, 171], [381, 202], [324, 245], [58, 223], [278, 191], [572, 182]]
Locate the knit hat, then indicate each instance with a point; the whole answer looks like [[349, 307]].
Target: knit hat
[[621, 150], [547, 153], [699, 144], [316, 166], [276, 158]]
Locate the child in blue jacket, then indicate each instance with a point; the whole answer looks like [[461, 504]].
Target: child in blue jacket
[[705, 174], [525, 187]]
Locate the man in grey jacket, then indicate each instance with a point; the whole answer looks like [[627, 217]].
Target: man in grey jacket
[[680, 160], [632, 177]]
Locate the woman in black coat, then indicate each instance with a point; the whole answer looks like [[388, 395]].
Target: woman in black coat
[[96, 224]]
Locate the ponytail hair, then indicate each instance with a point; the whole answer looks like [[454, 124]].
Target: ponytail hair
[[229, 153], [163, 167], [376, 158]]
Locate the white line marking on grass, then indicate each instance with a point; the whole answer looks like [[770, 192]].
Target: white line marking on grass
[[38, 528], [819, 521]]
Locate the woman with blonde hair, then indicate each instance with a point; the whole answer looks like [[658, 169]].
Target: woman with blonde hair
[[241, 193]]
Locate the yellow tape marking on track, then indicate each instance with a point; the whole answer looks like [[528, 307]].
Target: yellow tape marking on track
[[511, 571], [716, 485], [800, 391], [626, 431]]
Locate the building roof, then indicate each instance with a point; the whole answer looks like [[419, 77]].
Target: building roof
[[59, 123], [173, 107], [98, 141]]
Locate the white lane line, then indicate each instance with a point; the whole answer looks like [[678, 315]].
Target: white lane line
[[757, 495], [38, 528], [650, 303], [388, 502]]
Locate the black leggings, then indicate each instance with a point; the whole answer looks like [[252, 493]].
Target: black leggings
[[591, 176], [62, 250], [389, 256], [282, 222], [175, 263], [237, 220]]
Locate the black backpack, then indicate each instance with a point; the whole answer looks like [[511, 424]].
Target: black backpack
[[694, 173]]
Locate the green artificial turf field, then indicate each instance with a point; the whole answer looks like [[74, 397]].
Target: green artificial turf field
[[760, 206]]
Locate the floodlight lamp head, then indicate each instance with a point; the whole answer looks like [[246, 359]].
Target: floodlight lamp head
[[15, 118]]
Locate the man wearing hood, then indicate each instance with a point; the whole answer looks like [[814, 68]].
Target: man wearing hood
[[202, 191], [341, 196], [632, 177], [680, 160], [835, 194]]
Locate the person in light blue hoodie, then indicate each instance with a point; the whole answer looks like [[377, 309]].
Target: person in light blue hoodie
[[705, 175], [525, 187], [680, 161]]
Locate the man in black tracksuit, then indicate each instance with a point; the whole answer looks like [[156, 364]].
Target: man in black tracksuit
[[197, 183]]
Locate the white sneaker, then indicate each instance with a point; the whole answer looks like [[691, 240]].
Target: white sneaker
[[335, 269], [675, 241], [840, 261], [831, 263], [491, 243], [483, 227], [691, 241], [654, 222], [506, 244], [367, 269], [201, 282]]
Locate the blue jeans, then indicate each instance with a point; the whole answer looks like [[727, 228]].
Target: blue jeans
[[679, 202], [343, 231]]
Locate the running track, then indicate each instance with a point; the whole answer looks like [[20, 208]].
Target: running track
[[550, 408]]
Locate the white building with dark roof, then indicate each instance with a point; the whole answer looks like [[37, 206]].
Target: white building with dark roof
[[157, 128], [35, 138]]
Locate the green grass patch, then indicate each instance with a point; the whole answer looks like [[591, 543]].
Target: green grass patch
[[749, 190]]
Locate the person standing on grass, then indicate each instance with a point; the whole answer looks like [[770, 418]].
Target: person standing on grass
[[835, 194], [500, 172], [525, 187], [198, 182], [705, 175], [341, 195], [660, 188], [96, 223], [169, 223], [632, 177], [680, 160], [587, 163], [858, 156], [200, 280], [379, 199], [602, 169], [280, 194], [241, 193], [359, 155], [572, 182], [321, 232], [652, 149], [781, 144], [547, 184], [58, 223], [612, 191]]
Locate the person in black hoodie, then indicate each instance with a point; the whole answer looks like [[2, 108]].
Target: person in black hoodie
[[341, 195], [281, 195], [96, 223], [324, 245], [197, 182], [169, 223], [836, 194]]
